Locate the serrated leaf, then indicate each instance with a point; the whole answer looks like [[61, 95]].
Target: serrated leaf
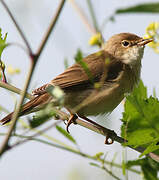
[[141, 137], [140, 118], [79, 59], [141, 8], [152, 147], [66, 134], [149, 167]]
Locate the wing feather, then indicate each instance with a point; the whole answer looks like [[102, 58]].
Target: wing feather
[[76, 75]]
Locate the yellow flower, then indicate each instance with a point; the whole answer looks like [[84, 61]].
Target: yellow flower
[[12, 70], [152, 31], [96, 39]]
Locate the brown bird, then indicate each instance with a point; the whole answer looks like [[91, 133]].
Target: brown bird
[[115, 70]]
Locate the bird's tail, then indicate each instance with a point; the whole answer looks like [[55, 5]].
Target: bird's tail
[[39, 100]]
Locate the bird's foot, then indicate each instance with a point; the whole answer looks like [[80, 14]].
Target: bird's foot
[[108, 140], [71, 120]]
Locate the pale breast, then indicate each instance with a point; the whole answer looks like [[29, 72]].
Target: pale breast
[[94, 102]]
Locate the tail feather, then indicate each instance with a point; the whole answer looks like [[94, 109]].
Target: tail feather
[[39, 100]]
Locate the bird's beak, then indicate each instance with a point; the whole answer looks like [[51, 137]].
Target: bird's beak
[[144, 41]]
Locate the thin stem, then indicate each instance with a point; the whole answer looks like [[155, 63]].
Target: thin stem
[[41, 132], [83, 17], [17, 26], [17, 110], [14, 89], [34, 59], [109, 172], [91, 10], [105, 132], [70, 150], [51, 27], [4, 79]]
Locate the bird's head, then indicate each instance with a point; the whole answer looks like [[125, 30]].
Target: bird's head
[[126, 47]]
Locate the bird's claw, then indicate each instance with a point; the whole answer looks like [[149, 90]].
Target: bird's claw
[[71, 120], [108, 140]]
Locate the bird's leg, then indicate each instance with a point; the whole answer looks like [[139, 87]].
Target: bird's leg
[[71, 120], [108, 139]]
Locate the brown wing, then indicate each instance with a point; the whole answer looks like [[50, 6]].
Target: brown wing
[[76, 75]]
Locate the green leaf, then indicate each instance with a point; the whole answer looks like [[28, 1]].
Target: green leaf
[[141, 137], [141, 119], [79, 59], [141, 8], [149, 167], [66, 65], [98, 155], [41, 117], [152, 147], [94, 164], [57, 93], [3, 43], [66, 134]]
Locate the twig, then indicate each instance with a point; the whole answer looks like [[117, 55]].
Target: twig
[[34, 59], [4, 79], [52, 25], [106, 170], [14, 89], [40, 132], [110, 173], [17, 26], [71, 150], [105, 132], [91, 10], [16, 112], [98, 129], [83, 17]]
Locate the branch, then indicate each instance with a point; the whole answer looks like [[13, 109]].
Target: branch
[[66, 148], [16, 112], [14, 89], [34, 59], [17, 26], [90, 6], [106, 170], [105, 132], [83, 17]]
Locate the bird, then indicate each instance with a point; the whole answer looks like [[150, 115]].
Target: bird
[[115, 71]]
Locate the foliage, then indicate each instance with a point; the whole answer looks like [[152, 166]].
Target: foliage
[[140, 120], [41, 117], [65, 134], [140, 8], [149, 167], [79, 59]]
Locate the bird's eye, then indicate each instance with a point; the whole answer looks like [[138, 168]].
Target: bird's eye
[[125, 43]]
